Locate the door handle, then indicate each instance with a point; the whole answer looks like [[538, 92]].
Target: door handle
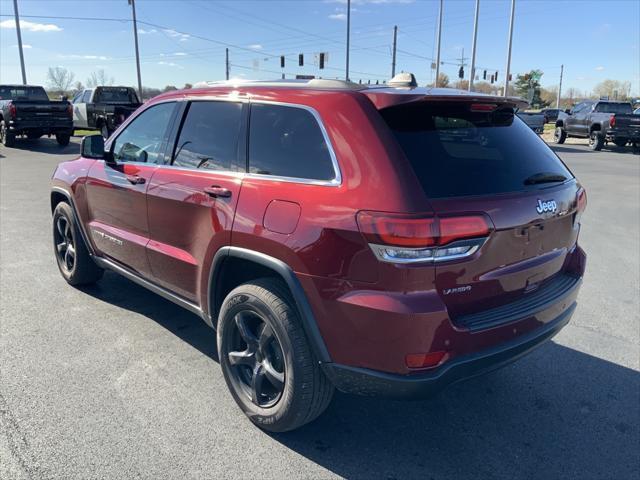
[[135, 179], [216, 191]]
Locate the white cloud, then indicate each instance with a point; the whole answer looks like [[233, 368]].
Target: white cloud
[[86, 57], [181, 36], [31, 26], [170, 64], [24, 45], [142, 31], [180, 54], [338, 16], [255, 46], [599, 68]]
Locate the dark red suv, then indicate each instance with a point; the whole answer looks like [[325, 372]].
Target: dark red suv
[[382, 241]]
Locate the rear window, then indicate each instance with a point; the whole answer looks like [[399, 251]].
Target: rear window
[[614, 108], [455, 152], [116, 95], [23, 93]]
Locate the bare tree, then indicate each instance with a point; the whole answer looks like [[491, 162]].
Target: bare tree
[[99, 78], [59, 79], [78, 86], [613, 89]]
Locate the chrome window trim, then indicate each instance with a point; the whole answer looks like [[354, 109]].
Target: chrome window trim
[[337, 179]]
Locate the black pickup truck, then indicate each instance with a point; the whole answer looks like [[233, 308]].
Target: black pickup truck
[[27, 110], [600, 121], [103, 108]]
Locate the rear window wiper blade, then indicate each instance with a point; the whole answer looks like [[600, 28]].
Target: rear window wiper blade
[[544, 177]]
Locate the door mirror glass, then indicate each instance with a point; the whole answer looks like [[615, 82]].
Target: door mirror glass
[[92, 147], [568, 111]]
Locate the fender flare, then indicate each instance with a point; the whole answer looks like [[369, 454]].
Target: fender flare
[[307, 317], [71, 202]]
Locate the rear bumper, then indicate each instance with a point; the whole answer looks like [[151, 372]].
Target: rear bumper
[[631, 134], [370, 382]]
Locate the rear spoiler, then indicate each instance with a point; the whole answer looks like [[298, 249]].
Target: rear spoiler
[[391, 97]]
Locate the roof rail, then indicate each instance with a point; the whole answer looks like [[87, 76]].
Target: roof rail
[[321, 83]]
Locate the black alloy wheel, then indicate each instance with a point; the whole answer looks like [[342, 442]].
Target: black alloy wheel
[[65, 244], [256, 359]]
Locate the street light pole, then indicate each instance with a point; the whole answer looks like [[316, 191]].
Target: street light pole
[[135, 37], [346, 75], [473, 47], [24, 72], [506, 75], [393, 61], [439, 39]]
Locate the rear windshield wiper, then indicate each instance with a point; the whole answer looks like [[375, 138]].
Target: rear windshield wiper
[[544, 177]]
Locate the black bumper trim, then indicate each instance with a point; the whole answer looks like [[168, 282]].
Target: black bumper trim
[[370, 382]]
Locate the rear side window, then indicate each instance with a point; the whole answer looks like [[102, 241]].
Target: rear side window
[[288, 142], [209, 136], [620, 108], [455, 152]]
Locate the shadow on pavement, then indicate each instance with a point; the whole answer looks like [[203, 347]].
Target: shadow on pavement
[[44, 145], [557, 413]]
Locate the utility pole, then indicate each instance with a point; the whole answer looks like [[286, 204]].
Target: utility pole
[[506, 75], [346, 75], [438, 45], [226, 63], [135, 37], [15, 11], [560, 87], [395, 42], [473, 47]]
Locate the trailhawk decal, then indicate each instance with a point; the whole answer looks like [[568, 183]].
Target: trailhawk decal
[[548, 206], [106, 236]]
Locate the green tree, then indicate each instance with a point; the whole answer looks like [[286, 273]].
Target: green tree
[[528, 86]]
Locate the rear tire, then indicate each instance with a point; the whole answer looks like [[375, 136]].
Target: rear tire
[[559, 135], [7, 138], [596, 141], [63, 139], [74, 262], [266, 359]]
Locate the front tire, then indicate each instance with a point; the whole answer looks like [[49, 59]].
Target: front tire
[[559, 135], [7, 138], [266, 359], [596, 141], [74, 262]]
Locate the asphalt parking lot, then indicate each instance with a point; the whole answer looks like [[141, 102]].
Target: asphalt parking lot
[[114, 382]]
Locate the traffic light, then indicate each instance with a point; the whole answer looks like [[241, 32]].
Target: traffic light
[[491, 78], [461, 72], [496, 77], [281, 61], [300, 60], [484, 75], [321, 61]]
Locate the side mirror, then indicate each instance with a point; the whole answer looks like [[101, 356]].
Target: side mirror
[[64, 98], [93, 147], [568, 111]]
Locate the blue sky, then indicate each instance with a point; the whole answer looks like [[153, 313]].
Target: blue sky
[[184, 41]]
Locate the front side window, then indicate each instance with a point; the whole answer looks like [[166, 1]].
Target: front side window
[[287, 142], [209, 136], [144, 139], [86, 98]]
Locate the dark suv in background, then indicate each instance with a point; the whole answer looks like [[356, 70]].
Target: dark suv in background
[[382, 241]]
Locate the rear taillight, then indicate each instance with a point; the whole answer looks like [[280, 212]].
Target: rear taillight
[[13, 111], [70, 110], [483, 107], [401, 238], [581, 205], [612, 121]]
